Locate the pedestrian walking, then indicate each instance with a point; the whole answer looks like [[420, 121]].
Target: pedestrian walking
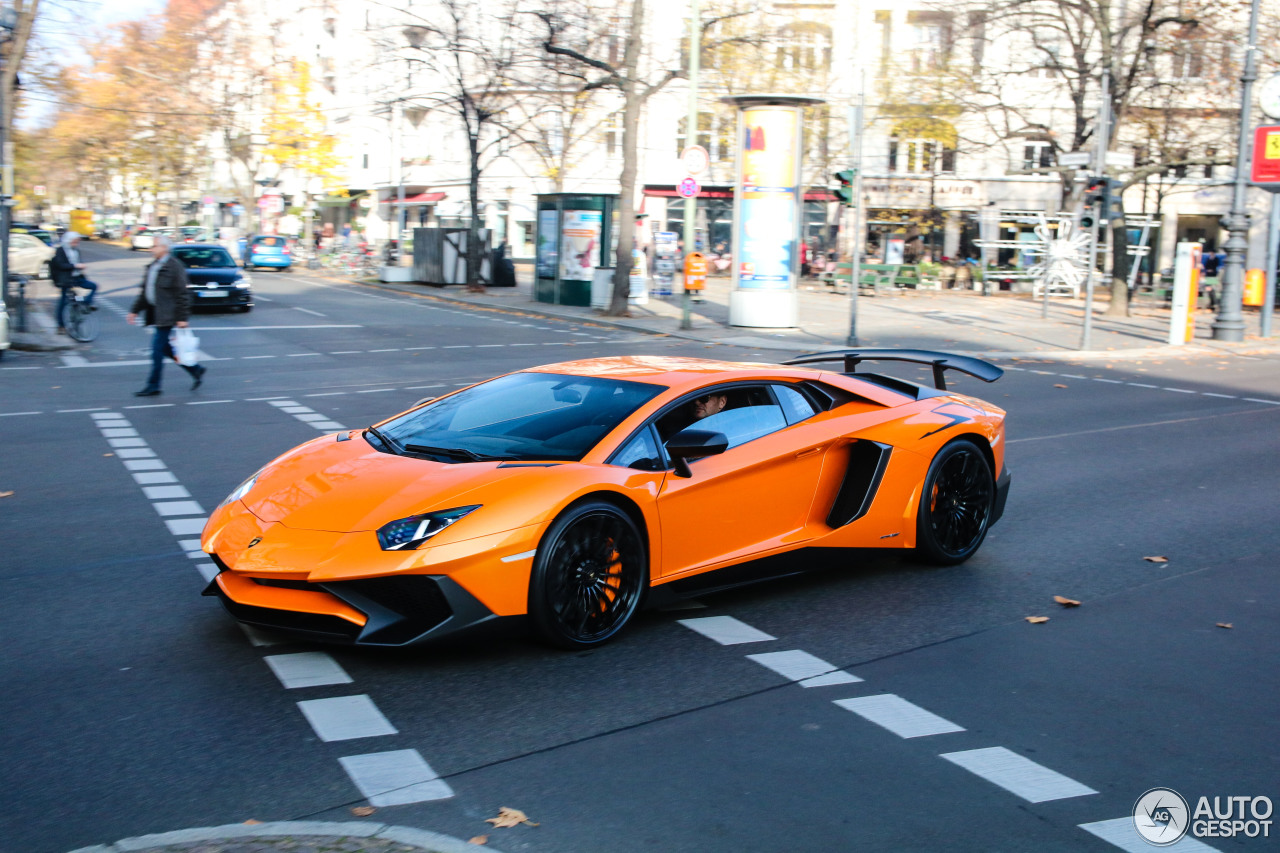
[[165, 304], [67, 272]]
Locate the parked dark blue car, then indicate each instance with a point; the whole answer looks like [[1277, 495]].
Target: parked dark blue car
[[215, 280], [268, 250]]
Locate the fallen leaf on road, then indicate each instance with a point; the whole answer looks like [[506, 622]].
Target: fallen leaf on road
[[362, 811], [508, 817], [1225, 625], [1036, 620], [6, 494], [1059, 386], [1066, 602], [108, 454], [251, 821], [1156, 559], [479, 839]]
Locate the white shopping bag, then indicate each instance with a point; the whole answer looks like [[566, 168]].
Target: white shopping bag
[[186, 347]]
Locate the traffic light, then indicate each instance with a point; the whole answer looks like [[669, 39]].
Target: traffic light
[[844, 192], [1097, 201]]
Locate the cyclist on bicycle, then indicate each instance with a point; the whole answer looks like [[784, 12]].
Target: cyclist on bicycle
[[67, 272]]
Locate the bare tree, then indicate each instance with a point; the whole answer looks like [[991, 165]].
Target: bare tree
[[1036, 69], [475, 66], [567, 30]]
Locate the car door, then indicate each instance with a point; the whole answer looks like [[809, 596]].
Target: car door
[[753, 497], [24, 254]]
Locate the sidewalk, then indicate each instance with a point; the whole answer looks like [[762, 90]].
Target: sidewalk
[[1004, 325], [295, 837]]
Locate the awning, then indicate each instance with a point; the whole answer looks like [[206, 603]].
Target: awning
[[727, 192], [339, 200], [416, 198]]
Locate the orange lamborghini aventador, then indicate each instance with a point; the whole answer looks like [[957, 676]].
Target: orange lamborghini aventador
[[562, 493]]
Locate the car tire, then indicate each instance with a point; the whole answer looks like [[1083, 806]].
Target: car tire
[[589, 576], [955, 504]]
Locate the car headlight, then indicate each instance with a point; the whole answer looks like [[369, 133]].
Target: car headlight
[[406, 534], [240, 491]]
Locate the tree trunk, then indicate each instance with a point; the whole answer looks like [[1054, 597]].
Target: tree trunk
[[630, 163], [473, 231], [1120, 262]]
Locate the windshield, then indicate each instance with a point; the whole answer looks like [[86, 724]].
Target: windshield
[[203, 258], [268, 241], [524, 416]]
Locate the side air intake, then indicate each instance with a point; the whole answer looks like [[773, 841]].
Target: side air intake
[[867, 461]]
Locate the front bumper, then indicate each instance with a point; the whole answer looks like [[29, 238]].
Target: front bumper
[[234, 297], [400, 610]]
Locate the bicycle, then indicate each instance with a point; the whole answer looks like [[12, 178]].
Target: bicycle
[[80, 320]]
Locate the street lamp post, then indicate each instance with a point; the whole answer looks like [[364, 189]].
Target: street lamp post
[[1229, 324], [8, 22]]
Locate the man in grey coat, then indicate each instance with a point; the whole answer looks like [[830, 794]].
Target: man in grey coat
[[165, 304]]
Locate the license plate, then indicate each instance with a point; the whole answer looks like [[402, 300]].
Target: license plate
[[211, 293]]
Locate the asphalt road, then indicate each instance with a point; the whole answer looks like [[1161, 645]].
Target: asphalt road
[[133, 705]]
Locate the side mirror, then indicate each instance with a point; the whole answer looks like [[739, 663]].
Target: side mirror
[[694, 444]]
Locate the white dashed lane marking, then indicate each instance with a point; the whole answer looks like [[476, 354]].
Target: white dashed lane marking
[[899, 716], [1018, 775], [1122, 833], [395, 778], [726, 630], [307, 669], [805, 668], [345, 718], [308, 415]]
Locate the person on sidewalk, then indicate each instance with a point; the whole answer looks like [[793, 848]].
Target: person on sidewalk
[[165, 304], [67, 272]]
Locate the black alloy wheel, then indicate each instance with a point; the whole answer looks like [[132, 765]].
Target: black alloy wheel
[[589, 576], [955, 507]]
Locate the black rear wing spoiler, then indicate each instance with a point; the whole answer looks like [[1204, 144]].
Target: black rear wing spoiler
[[940, 361]]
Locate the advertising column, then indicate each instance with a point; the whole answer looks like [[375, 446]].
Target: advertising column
[[767, 212]]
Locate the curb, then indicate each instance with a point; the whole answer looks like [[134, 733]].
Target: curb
[[423, 840], [1157, 351]]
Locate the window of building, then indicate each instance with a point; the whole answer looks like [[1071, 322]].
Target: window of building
[[884, 20], [1186, 58], [715, 133], [1037, 154], [1208, 167], [611, 130], [977, 39], [930, 48], [804, 46], [923, 146]]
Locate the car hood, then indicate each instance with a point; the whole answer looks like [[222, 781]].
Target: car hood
[[347, 486], [213, 275]]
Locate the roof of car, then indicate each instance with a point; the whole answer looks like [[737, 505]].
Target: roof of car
[[672, 371]]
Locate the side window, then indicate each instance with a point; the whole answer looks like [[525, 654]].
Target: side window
[[746, 413], [641, 453], [795, 405]]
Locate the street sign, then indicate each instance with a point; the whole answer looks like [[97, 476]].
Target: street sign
[[1266, 157], [1120, 159], [695, 160], [1074, 159], [38, 189], [1269, 96], [689, 188]]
